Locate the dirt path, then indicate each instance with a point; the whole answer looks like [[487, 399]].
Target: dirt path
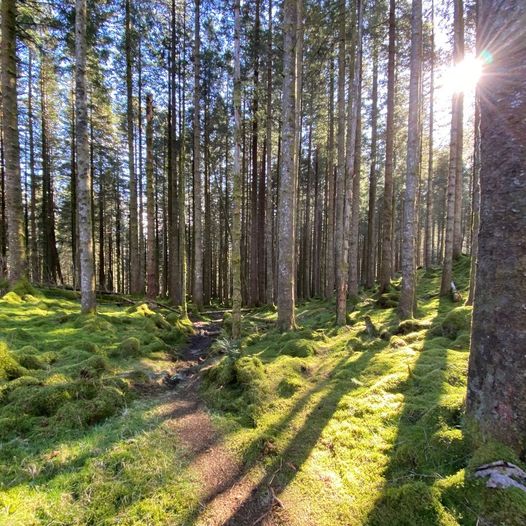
[[227, 492]]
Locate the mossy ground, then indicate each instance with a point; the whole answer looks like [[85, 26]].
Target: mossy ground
[[351, 428], [82, 440], [361, 430]]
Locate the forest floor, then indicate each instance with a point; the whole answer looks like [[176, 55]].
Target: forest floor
[[136, 417]]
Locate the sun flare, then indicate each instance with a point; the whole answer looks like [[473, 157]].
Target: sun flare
[[462, 77]]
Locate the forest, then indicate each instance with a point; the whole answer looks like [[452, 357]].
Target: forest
[[263, 262]]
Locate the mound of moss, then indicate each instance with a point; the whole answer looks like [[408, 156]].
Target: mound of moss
[[10, 368], [388, 300], [456, 321], [300, 348], [237, 386], [412, 325], [415, 504], [130, 347]]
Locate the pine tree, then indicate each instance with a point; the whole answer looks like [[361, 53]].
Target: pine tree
[[87, 275]]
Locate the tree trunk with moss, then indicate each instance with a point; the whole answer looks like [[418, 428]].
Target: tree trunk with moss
[[410, 222], [87, 275], [17, 263], [496, 388]]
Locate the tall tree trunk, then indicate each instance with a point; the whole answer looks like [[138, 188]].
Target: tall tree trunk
[[35, 274], [87, 275], [406, 307], [339, 229], [254, 269], [329, 258], [287, 180], [428, 243], [496, 396], [269, 213], [370, 259], [182, 178], [135, 266], [386, 260], [236, 196], [459, 165], [198, 222], [152, 282], [453, 235], [352, 167], [17, 262], [475, 220]]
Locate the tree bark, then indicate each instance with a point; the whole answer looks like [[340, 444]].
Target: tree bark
[[454, 182], [339, 229], [496, 397], [386, 261], [459, 165], [87, 275], [329, 258], [370, 259], [16, 257], [475, 220], [135, 267], [287, 180], [236, 193], [269, 213], [353, 161], [198, 222], [406, 306], [428, 242], [152, 282]]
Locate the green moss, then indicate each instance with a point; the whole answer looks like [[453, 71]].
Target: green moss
[[300, 347], [355, 344], [12, 298], [9, 367], [29, 360], [456, 321], [396, 342], [155, 345], [22, 287], [414, 504], [412, 325], [388, 300], [108, 401], [227, 322], [242, 383], [130, 347], [142, 310]]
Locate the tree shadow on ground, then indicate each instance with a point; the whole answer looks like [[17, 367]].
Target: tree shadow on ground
[[281, 469], [429, 444]]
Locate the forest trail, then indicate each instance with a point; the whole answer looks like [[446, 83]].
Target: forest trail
[[224, 485]]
